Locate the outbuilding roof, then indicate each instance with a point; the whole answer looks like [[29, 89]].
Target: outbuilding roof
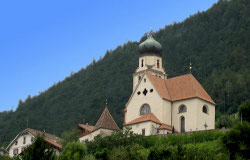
[[106, 121], [86, 127], [50, 138]]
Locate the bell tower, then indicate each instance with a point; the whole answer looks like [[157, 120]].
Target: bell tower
[[150, 59]]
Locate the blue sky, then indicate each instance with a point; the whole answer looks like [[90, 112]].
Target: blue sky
[[42, 42]]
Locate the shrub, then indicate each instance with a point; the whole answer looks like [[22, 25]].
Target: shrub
[[237, 140], [224, 122], [4, 158], [73, 151]]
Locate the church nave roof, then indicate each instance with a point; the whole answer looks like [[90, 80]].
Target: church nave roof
[[179, 88]]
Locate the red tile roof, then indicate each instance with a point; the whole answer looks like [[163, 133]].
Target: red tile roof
[[86, 127], [106, 121], [144, 118], [179, 88], [166, 126]]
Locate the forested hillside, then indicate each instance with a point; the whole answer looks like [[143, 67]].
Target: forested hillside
[[217, 42]]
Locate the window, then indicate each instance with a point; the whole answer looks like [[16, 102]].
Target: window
[[151, 90], [142, 63], [158, 63], [32, 139], [145, 80], [139, 78], [182, 124], [16, 142], [138, 92], [24, 140], [205, 109], [22, 149], [182, 109], [143, 131], [145, 109], [15, 151], [145, 91]]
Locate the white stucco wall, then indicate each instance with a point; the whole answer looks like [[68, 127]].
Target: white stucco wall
[[203, 118], [194, 117], [159, 107], [20, 144], [91, 136], [150, 60], [164, 131], [150, 128]]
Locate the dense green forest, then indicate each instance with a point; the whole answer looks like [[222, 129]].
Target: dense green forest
[[215, 41]]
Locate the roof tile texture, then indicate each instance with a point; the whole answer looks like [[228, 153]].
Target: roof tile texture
[[179, 88], [106, 121], [145, 118]]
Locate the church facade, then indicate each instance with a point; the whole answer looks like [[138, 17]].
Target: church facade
[[161, 105]]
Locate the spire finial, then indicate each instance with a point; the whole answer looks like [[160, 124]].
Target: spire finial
[[150, 34], [106, 103], [190, 67]]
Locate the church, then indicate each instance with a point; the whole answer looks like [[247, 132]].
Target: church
[[162, 105]]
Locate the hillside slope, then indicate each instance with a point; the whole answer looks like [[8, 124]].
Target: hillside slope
[[215, 41]]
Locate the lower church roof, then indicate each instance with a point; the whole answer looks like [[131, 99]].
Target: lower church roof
[[144, 118]]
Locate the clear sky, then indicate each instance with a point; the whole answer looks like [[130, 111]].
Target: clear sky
[[42, 42]]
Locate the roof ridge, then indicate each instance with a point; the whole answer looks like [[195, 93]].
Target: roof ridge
[[192, 82], [112, 118], [101, 121], [168, 90], [103, 113]]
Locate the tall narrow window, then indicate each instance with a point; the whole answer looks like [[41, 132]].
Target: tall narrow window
[[139, 78], [182, 124], [142, 63], [143, 131], [24, 140], [158, 63]]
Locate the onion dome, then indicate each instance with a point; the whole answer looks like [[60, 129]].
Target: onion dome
[[150, 45]]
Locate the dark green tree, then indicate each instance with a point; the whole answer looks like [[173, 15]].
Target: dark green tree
[[70, 136], [244, 111], [39, 150], [237, 140]]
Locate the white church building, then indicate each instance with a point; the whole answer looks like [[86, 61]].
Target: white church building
[[158, 104]]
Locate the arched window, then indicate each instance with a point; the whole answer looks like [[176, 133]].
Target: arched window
[[182, 124], [158, 63], [205, 109], [145, 109], [182, 108], [142, 63]]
